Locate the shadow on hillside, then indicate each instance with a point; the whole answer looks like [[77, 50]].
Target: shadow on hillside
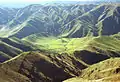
[[90, 57]]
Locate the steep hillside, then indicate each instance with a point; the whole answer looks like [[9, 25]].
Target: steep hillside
[[6, 15], [63, 20], [40, 67], [9, 47], [47, 19], [102, 20], [105, 71]]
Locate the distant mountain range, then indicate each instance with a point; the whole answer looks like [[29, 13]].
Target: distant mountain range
[[60, 20]]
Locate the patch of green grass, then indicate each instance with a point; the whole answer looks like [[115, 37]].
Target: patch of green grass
[[69, 45]]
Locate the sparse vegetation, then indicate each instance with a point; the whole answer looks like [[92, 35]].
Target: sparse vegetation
[[105, 71]]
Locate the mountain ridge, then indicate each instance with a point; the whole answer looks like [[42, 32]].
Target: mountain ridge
[[64, 21]]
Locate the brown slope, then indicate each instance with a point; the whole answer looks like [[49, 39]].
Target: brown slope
[[41, 68], [8, 75], [105, 71]]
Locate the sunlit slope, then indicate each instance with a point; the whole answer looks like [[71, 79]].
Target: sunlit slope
[[103, 45], [100, 44], [105, 71], [40, 67], [90, 50]]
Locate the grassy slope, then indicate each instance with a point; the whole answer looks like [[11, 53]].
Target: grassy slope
[[104, 45], [90, 50], [69, 45], [10, 47], [7, 51], [105, 71]]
